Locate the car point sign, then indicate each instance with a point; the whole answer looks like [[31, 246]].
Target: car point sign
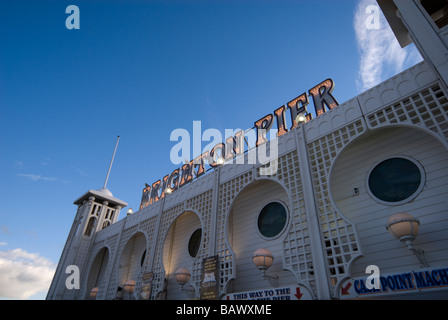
[[418, 281]]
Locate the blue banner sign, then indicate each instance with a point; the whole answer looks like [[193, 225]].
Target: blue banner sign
[[397, 283]]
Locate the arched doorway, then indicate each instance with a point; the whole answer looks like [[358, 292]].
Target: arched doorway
[[259, 218], [97, 272], [389, 170], [132, 259], [181, 250]]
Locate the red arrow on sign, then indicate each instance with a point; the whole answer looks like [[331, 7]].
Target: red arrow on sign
[[344, 290], [298, 295]]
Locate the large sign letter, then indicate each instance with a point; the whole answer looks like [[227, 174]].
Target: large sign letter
[[72, 21], [183, 146], [373, 281], [373, 20], [263, 126], [322, 96], [72, 281]]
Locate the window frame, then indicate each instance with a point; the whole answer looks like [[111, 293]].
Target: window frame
[[285, 227], [408, 199]]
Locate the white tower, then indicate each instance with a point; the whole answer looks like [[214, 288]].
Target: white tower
[[97, 209], [424, 22]]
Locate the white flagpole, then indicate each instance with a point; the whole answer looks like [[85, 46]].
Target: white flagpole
[[110, 166]]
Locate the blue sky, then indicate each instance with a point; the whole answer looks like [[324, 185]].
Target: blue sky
[[141, 69]]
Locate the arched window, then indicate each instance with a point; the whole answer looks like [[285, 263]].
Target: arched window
[[90, 226]]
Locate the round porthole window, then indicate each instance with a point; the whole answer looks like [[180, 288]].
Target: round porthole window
[[272, 220], [396, 180], [194, 243]]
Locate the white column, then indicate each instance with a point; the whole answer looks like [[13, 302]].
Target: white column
[[425, 37], [214, 213], [317, 251]]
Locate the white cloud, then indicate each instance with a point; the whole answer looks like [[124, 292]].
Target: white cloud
[[46, 162], [381, 54], [80, 172], [18, 163], [24, 274], [4, 229], [36, 177]]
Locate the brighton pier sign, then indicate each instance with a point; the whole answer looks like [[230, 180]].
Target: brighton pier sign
[[234, 145]]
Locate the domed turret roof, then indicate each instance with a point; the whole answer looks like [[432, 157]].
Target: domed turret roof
[[105, 191]]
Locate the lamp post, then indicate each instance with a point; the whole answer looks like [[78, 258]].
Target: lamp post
[[129, 288], [405, 227], [182, 277], [220, 161], [93, 293], [301, 117], [263, 260]]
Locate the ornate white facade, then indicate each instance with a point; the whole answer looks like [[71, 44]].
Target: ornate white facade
[[335, 224]]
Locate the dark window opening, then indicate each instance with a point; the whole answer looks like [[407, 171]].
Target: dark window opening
[[395, 180], [438, 10], [194, 243], [90, 226], [106, 224], [143, 258], [272, 219]]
